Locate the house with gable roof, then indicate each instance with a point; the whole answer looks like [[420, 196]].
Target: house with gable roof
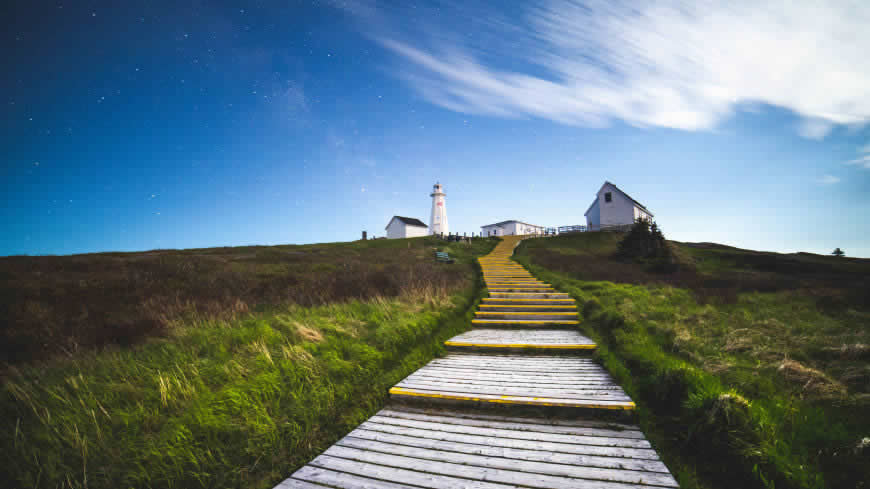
[[613, 207], [406, 227]]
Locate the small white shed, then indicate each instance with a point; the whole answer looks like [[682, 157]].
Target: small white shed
[[613, 207], [406, 227], [508, 228]]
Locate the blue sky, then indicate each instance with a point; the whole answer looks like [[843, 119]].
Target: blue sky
[[198, 124]]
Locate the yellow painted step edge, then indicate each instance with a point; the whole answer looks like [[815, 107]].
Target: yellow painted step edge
[[567, 299], [529, 313], [530, 321], [536, 401], [528, 305], [528, 293], [521, 289], [521, 345]]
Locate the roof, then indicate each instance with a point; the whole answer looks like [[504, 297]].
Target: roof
[[643, 207], [591, 205], [502, 223], [410, 221]]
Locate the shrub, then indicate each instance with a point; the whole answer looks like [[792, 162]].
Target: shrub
[[644, 242]]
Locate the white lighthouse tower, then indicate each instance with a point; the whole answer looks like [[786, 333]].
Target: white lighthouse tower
[[438, 219]]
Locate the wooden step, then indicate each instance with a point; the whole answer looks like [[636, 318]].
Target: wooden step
[[550, 340], [521, 289], [575, 387], [527, 302], [529, 295], [522, 323], [525, 314], [528, 307]]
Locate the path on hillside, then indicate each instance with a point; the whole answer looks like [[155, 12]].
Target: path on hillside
[[517, 402]]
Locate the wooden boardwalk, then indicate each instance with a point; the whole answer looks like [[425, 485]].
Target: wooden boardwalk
[[402, 447], [524, 355]]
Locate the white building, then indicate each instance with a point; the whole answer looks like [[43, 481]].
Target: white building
[[405, 227], [613, 207], [508, 228], [438, 218]]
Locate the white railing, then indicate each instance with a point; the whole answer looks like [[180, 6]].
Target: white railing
[[595, 228]]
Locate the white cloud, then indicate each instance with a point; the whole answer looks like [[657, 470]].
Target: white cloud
[[814, 128], [863, 161], [683, 64], [829, 180]]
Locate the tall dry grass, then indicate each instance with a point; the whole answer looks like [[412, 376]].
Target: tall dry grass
[[61, 305]]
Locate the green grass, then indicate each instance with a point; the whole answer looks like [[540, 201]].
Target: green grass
[[239, 402], [54, 305], [750, 369]]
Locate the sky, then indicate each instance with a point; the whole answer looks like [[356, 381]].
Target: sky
[[176, 124]]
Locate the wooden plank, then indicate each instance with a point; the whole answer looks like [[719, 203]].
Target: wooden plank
[[564, 368], [470, 472], [548, 390], [500, 441], [514, 453], [471, 373], [598, 384], [512, 358], [574, 439], [519, 370], [419, 394], [531, 295], [529, 307], [529, 314], [519, 346], [506, 300], [519, 288], [507, 379], [569, 362], [519, 367], [449, 362], [523, 321], [587, 383], [412, 477], [515, 356], [514, 425], [298, 484], [522, 339], [547, 421], [331, 478], [523, 336], [592, 394], [350, 448]]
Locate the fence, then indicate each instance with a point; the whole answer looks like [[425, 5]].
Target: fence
[[595, 228]]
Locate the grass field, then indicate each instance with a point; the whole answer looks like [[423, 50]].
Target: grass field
[[752, 369], [238, 384]]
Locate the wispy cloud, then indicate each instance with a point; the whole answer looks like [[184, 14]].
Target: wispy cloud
[[829, 180], [863, 160], [683, 64]]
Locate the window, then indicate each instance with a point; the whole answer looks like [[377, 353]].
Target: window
[[607, 197]]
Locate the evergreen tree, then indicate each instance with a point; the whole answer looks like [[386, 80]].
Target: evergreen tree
[[838, 253], [644, 241]]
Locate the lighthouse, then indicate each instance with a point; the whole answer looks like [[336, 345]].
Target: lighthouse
[[438, 219]]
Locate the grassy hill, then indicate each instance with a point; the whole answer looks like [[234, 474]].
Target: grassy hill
[[222, 367], [751, 368]]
